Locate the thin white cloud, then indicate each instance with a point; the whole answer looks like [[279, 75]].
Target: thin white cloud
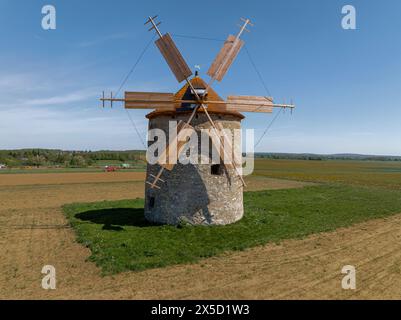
[[87, 128], [102, 40], [18, 82], [61, 99]]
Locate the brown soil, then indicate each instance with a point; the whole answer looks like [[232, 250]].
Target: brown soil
[[67, 178], [34, 232]]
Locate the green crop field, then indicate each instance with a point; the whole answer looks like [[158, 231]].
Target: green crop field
[[367, 173]]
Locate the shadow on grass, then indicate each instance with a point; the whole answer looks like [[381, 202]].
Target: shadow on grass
[[116, 218]]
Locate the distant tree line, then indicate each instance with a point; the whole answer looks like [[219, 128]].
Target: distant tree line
[[317, 157], [49, 157]]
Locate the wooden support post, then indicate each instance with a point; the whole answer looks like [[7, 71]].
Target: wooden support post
[[157, 178], [153, 185], [213, 126], [222, 142]]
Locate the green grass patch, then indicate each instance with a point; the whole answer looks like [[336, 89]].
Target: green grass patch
[[120, 239], [363, 173]]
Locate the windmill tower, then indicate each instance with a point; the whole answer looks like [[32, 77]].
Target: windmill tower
[[205, 192]]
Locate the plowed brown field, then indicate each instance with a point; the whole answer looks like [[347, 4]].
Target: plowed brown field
[[34, 233], [67, 178]]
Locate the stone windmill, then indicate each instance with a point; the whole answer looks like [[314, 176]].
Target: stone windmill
[[203, 193]]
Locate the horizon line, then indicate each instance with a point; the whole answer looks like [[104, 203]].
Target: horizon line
[[258, 152]]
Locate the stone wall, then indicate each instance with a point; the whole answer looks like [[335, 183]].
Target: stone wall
[[191, 193]]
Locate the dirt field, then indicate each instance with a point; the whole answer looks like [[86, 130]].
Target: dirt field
[[68, 178], [34, 232]]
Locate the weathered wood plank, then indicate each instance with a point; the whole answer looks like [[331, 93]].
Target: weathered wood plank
[[246, 98], [174, 148], [221, 56], [249, 108], [151, 96], [250, 104], [226, 146], [225, 57], [152, 105], [173, 57], [149, 100]]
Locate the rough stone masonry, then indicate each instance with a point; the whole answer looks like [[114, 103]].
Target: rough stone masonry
[[197, 194]]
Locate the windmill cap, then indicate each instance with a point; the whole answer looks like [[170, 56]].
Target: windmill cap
[[185, 94]]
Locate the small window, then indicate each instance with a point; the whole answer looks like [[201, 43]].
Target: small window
[[216, 170], [151, 202], [199, 91]]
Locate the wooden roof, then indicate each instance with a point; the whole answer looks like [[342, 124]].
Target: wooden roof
[[185, 94]]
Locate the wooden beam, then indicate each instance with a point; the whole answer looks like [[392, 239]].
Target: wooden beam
[[177, 142], [248, 98], [249, 108], [225, 58], [221, 135], [149, 100], [173, 57], [250, 104]]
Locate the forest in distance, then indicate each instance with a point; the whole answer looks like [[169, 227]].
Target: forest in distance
[[70, 158]]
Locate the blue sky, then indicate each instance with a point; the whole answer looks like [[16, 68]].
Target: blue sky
[[346, 83]]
